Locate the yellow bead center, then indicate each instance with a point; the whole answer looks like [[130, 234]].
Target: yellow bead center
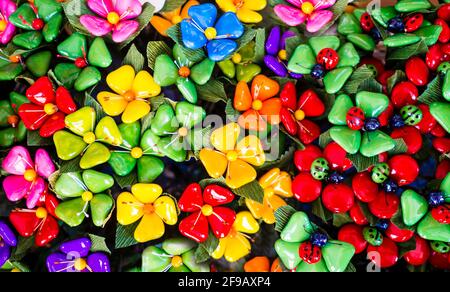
[[177, 262], [232, 156], [137, 152], [257, 105], [50, 109], [89, 138], [184, 72], [113, 18], [282, 55], [41, 213], [30, 175], [183, 132], [207, 210], [87, 196], [307, 8], [149, 209], [80, 264], [210, 33], [15, 270], [237, 58], [129, 96], [3, 25], [176, 19], [300, 115]]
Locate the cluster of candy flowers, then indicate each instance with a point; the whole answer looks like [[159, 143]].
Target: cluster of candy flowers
[[317, 130]]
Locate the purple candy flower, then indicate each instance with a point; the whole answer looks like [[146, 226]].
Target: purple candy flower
[[7, 240], [74, 256], [276, 57]]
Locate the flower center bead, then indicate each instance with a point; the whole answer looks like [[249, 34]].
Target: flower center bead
[[232, 156], [3, 25], [50, 109], [30, 175], [184, 72], [113, 18], [137, 152], [183, 132], [89, 138], [177, 262], [37, 24], [80, 264], [129, 95], [15, 270], [13, 120], [15, 58], [210, 33], [176, 19], [41, 213], [149, 209], [81, 62], [282, 55], [237, 58], [207, 210], [238, 3], [299, 115], [87, 196], [257, 105], [307, 8]]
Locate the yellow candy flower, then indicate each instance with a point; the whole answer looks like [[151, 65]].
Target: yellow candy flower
[[244, 9], [145, 201], [167, 19], [233, 157], [131, 93], [236, 244], [275, 183]]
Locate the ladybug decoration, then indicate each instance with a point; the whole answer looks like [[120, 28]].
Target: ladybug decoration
[[411, 115], [310, 253], [413, 22], [355, 118], [320, 168], [366, 22], [328, 58], [441, 210], [380, 173]]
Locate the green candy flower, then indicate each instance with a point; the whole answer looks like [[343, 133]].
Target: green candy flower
[[12, 129]]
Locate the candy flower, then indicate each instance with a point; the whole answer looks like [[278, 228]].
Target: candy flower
[[277, 184], [233, 157], [47, 108], [236, 244], [276, 55], [203, 29], [12, 129], [147, 202], [27, 179], [7, 29], [241, 65], [246, 10], [303, 248], [313, 12], [260, 105], [76, 256], [87, 138], [131, 92], [116, 17], [182, 72], [41, 221], [174, 255], [7, 241], [206, 211], [137, 151], [294, 113], [81, 192], [165, 20], [40, 19], [82, 73]]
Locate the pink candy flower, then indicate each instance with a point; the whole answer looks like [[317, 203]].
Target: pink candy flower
[[311, 11], [115, 16], [27, 179], [7, 29]]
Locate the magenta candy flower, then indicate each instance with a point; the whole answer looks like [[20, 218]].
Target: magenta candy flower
[[27, 179], [311, 11], [7, 29], [116, 18]]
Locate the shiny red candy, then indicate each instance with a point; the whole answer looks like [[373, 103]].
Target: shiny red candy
[[353, 234], [357, 215], [404, 93], [428, 122], [404, 169], [385, 117], [365, 189], [417, 71], [328, 58], [308, 131], [385, 205], [355, 118], [444, 12], [441, 214], [413, 22], [397, 234], [444, 37], [306, 188], [288, 96], [337, 157], [385, 255], [37, 24], [81, 63], [310, 253], [366, 22], [442, 169], [338, 198], [434, 56], [440, 260], [442, 145], [411, 136], [420, 254], [304, 158], [383, 77]]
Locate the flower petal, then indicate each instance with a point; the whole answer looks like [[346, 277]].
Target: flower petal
[[226, 5], [250, 150], [5, 253], [59, 263], [128, 9], [264, 87], [124, 30], [318, 20], [34, 194], [249, 16], [129, 209], [220, 250], [246, 223], [33, 116], [165, 208], [146, 193], [256, 5], [252, 120], [192, 199], [216, 195], [221, 221], [242, 97], [79, 246], [121, 80], [239, 173], [187, 6], [195, 227], [297, 3], [101, 7], [219, 50], [203, 15], [322, 4], [99, 263], [17, 161], [224, 139], [191, 36], [7, 234], [144, 85], [289, 15], [48, 231], [237, 248], [214, 162], [24, 222], [229, 26], [161, 24], [96, 25], [7, 34], [44, 164], [112, 104], [15, 187], [271, 110], [135, 110], [151, 227]]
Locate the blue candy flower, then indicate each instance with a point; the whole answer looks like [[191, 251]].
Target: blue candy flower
[[7, 240], [201, 29]]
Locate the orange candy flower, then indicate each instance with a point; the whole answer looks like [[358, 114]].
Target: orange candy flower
[[262, 265], [168, 19]]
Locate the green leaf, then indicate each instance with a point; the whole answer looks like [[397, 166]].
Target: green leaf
[[405, 247], [146, 122], [205, 249], [98, 244], [252, 191], [23, 246], [371, 85], [361, 162], [193, 55], [292, 43], [171, 5], [35, 139], [125, 235], [283, 80], [143, 19], [400, 147], [337, 9], [247, 37], [275, 2], [230, 113], [18, 265], [398, 76], [154, 49], [126, 181], [300, 145], [341, 219], [260, 49], [92, 102], [325, 139], [404, 53], [433, 92], [282, 216], [70, 166], [359, 78], [73, 10], [213, 91], [397, 220], [134, 58], [320, 211], [52, 75], [209, 181]]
